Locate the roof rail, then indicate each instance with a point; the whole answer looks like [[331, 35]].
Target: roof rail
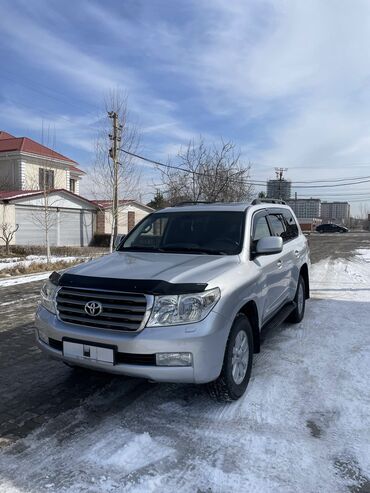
[[192, 202], [268, 201]]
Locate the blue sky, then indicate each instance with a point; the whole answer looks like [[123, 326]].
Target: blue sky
[[287, 81]]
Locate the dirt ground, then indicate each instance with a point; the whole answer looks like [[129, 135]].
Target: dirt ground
[[337, 245]]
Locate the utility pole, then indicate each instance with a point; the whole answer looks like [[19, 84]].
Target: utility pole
[[115, 137], [280, 176]]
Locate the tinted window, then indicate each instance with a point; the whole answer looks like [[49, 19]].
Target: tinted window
[[261, 228], [189, 232], [290, 225], [277, 223]]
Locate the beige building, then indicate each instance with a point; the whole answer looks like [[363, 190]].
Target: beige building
[[28, 165], [335, 212], [306, 208], [130, 213]]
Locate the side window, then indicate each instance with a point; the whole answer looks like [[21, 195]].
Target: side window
[[277, 223], [260, 228], [291, 227]]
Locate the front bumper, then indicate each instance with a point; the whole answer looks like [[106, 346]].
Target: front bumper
[[205, 340]]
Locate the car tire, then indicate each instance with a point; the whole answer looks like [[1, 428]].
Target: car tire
[[237, 364], [300, 300]]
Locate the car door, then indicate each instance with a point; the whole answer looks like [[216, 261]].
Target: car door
[[295, 246], [283, 261], [271, 275]]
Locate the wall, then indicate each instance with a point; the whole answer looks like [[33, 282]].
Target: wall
[[7, 214], [123, 218], [31, 175], [308, 225]]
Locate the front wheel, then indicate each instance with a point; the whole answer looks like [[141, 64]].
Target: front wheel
[[300, 300], [237, 365]]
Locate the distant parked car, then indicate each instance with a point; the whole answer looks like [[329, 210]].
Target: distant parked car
[[331, 228]]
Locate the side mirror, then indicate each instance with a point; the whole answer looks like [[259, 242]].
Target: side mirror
[[269, 245]]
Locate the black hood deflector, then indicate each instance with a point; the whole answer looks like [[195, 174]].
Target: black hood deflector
[[150, 286]]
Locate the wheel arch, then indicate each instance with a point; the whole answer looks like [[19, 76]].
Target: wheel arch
[[250, 310], [304, 273]]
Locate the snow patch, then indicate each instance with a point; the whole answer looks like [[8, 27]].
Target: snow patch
[[9, 263], [23, 279], [363, 254], [128, 452]]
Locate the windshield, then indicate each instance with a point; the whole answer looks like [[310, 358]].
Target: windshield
[[213, 233]]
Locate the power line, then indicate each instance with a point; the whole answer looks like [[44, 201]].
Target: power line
[[351, 181], [332, 180], [198, 173]]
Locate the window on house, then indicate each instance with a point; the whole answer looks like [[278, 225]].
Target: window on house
[[72, 185], [46, 178]]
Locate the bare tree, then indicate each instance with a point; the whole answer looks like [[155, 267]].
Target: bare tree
[[103, 175], [47, 180], [364, 210], [208, 173], [7, 229]]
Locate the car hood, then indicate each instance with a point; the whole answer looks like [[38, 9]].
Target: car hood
[[170, 267]]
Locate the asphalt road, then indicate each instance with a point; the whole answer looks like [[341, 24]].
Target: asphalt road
[[35, 390]]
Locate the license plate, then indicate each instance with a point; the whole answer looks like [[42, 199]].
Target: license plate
[[87, 352]]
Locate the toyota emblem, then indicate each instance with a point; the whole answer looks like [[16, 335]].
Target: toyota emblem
[[93, 308]]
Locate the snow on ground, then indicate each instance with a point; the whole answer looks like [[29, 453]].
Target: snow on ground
[[302, 426], [12, 281], [364, 254], [9, 263]]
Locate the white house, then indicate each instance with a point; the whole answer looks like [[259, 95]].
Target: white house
[[69, 219], [39, 190]]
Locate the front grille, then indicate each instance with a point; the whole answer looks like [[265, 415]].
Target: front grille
[[121, 311]]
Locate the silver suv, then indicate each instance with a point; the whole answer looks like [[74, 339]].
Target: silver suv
[[186, 297]]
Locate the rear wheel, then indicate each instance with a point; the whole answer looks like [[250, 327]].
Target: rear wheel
[[300, 300], [237, 365]]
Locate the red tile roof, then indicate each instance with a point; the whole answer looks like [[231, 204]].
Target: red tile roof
[[7, 195], [9, 143], [5, 135]]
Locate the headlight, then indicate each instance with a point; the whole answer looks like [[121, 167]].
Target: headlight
[[48, 296], [182, 309]]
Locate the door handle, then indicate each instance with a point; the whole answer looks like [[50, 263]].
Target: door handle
[[279, 263], [296, 253]]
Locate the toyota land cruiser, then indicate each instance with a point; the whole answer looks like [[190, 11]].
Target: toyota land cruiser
[[186, 297]]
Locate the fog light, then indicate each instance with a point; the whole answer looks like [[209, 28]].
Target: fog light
[[174, 359], [43, 337]]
